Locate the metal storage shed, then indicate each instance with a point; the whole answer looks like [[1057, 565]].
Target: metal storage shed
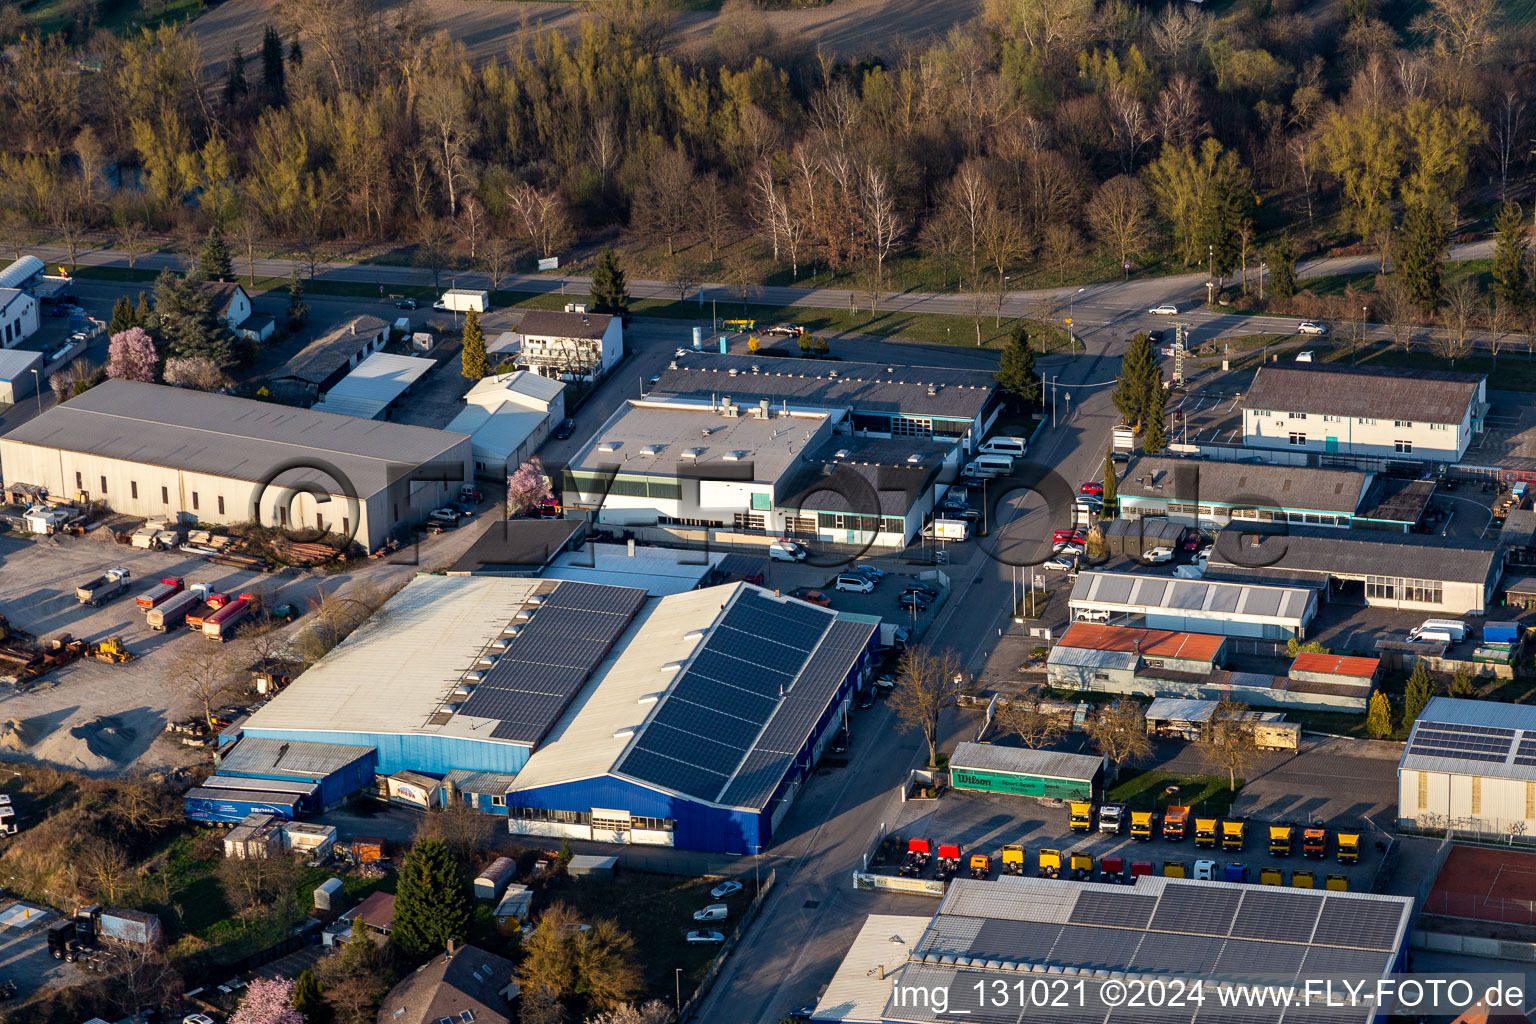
[[985, 768]]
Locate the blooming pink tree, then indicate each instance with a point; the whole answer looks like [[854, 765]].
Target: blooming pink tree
[[268, 1001], [528, 487], [131, 356]]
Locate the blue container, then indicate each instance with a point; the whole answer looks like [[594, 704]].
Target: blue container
[[1501, 632]]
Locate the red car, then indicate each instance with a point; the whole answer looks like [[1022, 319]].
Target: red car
[[1192, 540], [1068, 537], [813, 597], [1091, 487]]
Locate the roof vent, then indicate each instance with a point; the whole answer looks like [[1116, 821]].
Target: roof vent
[[652, 449], [648, 698], [694, 634], [526, 613], [733, 371], [756, 368], [693, 453], [914, 457], [832, 374], [623, 734], [501, 643], [474, 676], [735, 456], [513, 629], [487, 659], [672, 666], [609, 446], [933, 389], [842, 453]]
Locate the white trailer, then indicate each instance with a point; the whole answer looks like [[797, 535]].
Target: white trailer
[[463, 300]]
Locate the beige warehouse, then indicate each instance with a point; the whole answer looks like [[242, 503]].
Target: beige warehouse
[[1470, 765], [150, 450]]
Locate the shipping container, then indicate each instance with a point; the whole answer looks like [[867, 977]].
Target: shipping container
[[1501, 632], [490, 882], [131, 928]]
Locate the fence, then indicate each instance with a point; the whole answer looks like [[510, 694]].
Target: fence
[[690, 1007], [1480, 907]]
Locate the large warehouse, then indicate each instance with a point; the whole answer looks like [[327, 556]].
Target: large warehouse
[[1195, 606], [687, 721], [1471, 764], [991, 937], [150, 450], [1405, 572]]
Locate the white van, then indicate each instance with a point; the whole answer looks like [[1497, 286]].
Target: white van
[[713, 912], [988, 466], [1440, 630], [786, 551], [1003, 445]]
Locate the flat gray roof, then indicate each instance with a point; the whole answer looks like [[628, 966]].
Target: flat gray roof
[[1317, 552], [1422, 396], [234, 437], [811, 383], [1473, 737], [1263, 485], [377, 381], [16, 362], [1050, 764]]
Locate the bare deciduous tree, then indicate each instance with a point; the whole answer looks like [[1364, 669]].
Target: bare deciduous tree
[[713, 212], [107, 868], [1120, 215], [541, 217], [1024, 717], [1119, 732], [1462, 305], [1398, 311], [882, 223], [1226, 743], [206, 674], [927, 684], [470, 224], [662, 202]]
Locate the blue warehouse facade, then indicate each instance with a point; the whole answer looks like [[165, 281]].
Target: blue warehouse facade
[[574, 710]]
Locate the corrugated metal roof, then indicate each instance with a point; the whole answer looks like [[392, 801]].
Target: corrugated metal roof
[[377, 381], [288, 758], [500, 431], [333, 349], [861, 985], [1088, 657], [518, 386], [16, 363], [485, 783], [1519, 719], [235, 438], [940, 392], [1149, 643], [1262, 485], [1023, 761], [21, 271], [1424, 396], [1335, 664], [1209, 599], [1180, 709]]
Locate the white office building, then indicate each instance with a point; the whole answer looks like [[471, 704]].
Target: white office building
[[569, 345]]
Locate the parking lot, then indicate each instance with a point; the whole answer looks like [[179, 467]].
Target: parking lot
[[102, 718], [24, 957]]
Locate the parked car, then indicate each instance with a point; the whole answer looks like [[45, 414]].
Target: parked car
[[801, 1014], [866, 699], [652, 382], [564, 429], [463, 508], [873, 572], [1166, 309], [855, 583], [725, 889], [1061, 537], [1092, 487], [705, 938], [840, 742], [812, 597], [913, 599], [1072, 548], [1159, 555], [440, 306], [1192, 540], [921, 587], [407, 304], [713, 912], [1188, 572], [1154, 336], [448, 517], [1062, 563], [1309, 327]]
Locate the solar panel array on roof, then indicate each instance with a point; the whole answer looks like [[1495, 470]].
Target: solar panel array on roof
[[711, 719], [1277, 916], [566, 637], [1469, 742], [1526, 753]]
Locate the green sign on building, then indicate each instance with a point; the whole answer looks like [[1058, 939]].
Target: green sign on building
[[1020, 785]]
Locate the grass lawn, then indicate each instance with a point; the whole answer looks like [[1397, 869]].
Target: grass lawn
[[52, 16], [658, 911], [1144, 789]]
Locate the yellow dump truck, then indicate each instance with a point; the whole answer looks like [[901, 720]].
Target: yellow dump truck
[[1338, 883], [1302, 880], [1349, 847], [1233, 834], [1280, 840], [1205, 833], [1082, 817], [1050, 863], [1141, 826], [1271, 876], [1013, 860]]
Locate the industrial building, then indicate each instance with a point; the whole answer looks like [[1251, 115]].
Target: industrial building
[[1161, 663], [688, 721], [874, 399], [1196, 606], [149, 450], [1212, 494], [376, 386], [1393, 415], [1379, 570], [18, 317], [30, 274], [519, 547], [765, 469], [1471, 765], [1003, 935], [1019, 771], [507, 417], [573, 345], [321, 364], [21, 375]]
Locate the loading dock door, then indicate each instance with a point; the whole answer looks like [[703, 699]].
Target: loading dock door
[[609, 826]]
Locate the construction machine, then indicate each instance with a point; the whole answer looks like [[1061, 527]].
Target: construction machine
[[112, 650], [1081, 866], [981, 866]]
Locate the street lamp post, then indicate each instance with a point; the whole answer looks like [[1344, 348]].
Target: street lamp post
[[1071, 316], [38, 388], [677, 983]]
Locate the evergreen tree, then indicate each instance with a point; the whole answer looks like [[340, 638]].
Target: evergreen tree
[[306, 997], [476, 365], [214, 262], [1155, 439], [1421, 255], [186, 324], [1417, 693], [1378, 720], [143, 315], [432, 903], [122, 316], [1282, 268], [1111, 486], [1228, 203], [1461, 683], [234, 77], [295, 54], [274, 79], [298, 309], [1511, 257], [610, 294], [1016, 375], [1138, 374]]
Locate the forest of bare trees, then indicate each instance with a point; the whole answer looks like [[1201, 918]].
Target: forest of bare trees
[[1045, 133]]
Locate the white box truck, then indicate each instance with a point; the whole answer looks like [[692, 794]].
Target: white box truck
[[463, 300]]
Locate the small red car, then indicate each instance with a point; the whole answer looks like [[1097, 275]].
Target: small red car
[[1192, 540], [1068, 537], [813, 597], [1091, 487]]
